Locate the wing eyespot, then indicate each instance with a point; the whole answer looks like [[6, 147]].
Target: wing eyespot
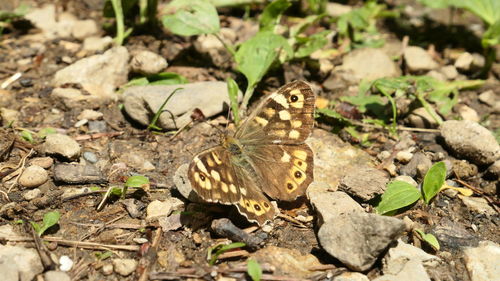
[[294, 98]]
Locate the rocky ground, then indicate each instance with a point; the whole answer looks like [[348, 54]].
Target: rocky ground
[[59, 69]]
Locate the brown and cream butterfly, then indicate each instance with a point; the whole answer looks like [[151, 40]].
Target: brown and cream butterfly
[[266, 155]]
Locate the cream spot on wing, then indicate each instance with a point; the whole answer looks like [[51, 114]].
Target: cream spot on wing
[[232, 187], [296, 123], [279, 133], [280, 99], [215, 175], [294, 134], [301, 154], [224, 187], [269, 112], [261, 121], [243, 191], [284, 115], [286, 157], [295, 92], [196, 176], [210, 162], [229, 177], [208, 184], [216, 158], [200, 165], [216, 195]]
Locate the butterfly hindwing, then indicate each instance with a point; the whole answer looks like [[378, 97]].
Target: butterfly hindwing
[[286, 170]]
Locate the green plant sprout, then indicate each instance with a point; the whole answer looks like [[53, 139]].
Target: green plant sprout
[[254, 270], [49, 219], [152, 124], [214, 252], [428, 238]]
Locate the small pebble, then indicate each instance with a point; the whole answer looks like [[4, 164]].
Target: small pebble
[[383, 155], [90, 156], [44, 162], [404, 156], [124, 267], [107, 269], [267, 228], [26, 82], [140, 240], [97, 126], [31, 194], [80, 123], [89, 115], [65, 263], [61, 145], [33, 176]]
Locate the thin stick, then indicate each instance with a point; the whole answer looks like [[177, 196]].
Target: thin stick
[[78, 244]]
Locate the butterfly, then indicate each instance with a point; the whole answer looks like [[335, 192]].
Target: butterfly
[[266, 155]]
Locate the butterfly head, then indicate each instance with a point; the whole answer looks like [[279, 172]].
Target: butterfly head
[[231, 144]]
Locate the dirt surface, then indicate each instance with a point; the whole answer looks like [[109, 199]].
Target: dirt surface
[[181, 253]]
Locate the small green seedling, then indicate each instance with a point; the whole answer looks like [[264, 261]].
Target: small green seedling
[[43, 133], [400, 194], [136, 182], [254, 270], [49, 219], [428, 238], [191, 17], [216, 251], [103, 255], [152, 125], [27, 136], [163, 78]]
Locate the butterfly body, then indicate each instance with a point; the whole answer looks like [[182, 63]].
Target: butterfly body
[[265, 156]]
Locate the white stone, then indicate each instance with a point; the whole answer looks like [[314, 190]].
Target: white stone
[[464, 61], [417, 59], [124, 267], [482, 261], [61, 145], [33, 176], [147, 62]]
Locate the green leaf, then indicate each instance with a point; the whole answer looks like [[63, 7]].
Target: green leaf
[[254, 270], [232, 89], [167, 78], [152, 124], [46, 131], [311, 44], [191, 17], [433, 181], [137, 181], [219, 249], [26, 135], [399, 194], [429, 239], [491, 37], [272, 13], [49, 219], [487, 10], [103, 255], [255, 56]]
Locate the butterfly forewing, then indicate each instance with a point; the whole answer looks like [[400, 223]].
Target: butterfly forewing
[[285, 117], [216, 178]]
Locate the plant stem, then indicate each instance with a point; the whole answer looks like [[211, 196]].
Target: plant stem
[[246, 99], [120, 26]]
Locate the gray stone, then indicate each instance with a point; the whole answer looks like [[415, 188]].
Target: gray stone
[[71, 98], [357, 239], [124, 267], [26, 261], [9, 271], [89, 115], [78, 174], [351, 276], [142, 102], [471, 141], [53, 275], [99, 75], [418, 60], [450, 72], [482, 261], [7, 230], [327, 146], [107, 269], [329, 204], [413, 270], [364, 182], [495, 169], [404, 156], [33, 176], [97, 44], [44, 162], [84, 28], [397, 257], [464, 61], [61, 145], [478, 205], [467, 113], [147, 62], [182, 184], [418, 166], [90, 156], [45, 19], [369, 64], [8, 115], [157, 209], [32, 194], [488, 97], [420, 118]]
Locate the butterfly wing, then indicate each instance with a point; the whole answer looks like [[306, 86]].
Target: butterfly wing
[[215, 177], [285, 117], [286, 170]]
